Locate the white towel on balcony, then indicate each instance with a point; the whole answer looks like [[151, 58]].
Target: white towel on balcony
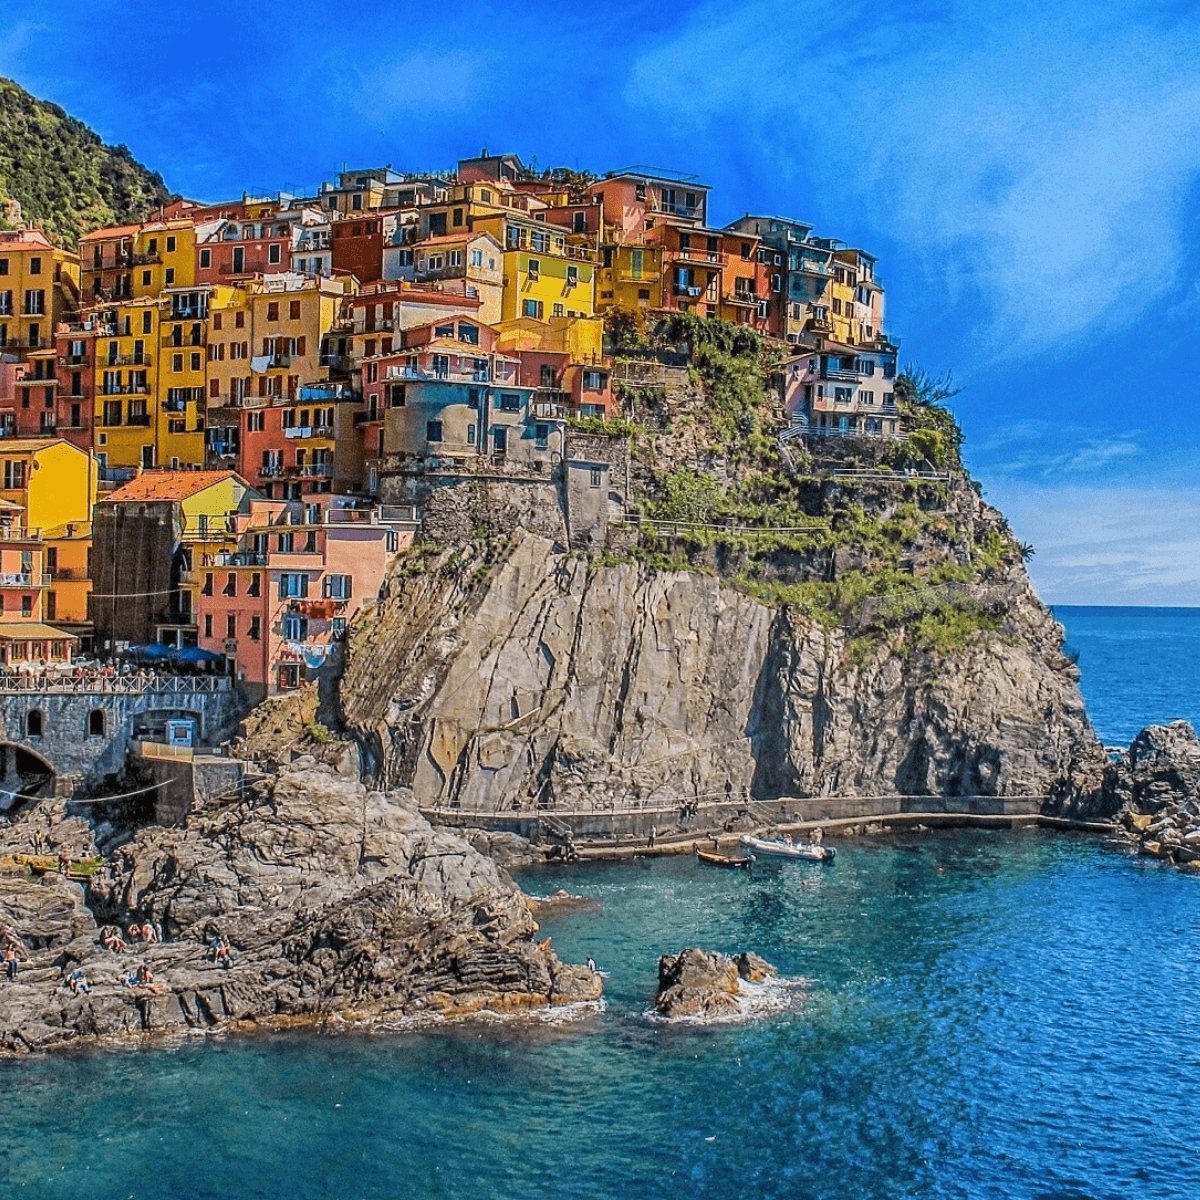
[[260, 363]]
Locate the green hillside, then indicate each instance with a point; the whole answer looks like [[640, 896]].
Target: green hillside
[[64, 177]]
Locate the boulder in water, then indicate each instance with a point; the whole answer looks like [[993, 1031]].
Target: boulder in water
[[703, 983]]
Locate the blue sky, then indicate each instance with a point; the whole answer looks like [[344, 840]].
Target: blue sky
[[1028, 174]]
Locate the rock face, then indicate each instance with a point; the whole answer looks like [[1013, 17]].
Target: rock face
[[337, 900], [549, 682], [702, 983], [1154, 791]]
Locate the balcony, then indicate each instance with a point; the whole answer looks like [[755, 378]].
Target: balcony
[[841, 374], [72, 360], [126, 360], [369, 417], [749, 299], [819, 325], [321, 470], [125, 389], [239, 558], [712, 259], [26, 579], [425, 375], [142, 419], [143, 260], [298, 431], [692, 293], [646, 275]]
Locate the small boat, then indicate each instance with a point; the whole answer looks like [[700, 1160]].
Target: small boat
[[786, 848], [726, 861]]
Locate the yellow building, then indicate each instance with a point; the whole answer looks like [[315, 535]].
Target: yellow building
[[39, 286], [629, 277], [127, 359], [580, 337], [544, 276], [164, 256], [53, 482]]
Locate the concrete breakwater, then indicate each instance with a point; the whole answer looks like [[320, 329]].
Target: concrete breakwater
[[616, 825]]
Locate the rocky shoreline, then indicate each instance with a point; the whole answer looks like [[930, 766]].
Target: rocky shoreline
[[342, 906], [334, 901]]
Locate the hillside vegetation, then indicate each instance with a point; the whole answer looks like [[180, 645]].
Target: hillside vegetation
[[63, 176]]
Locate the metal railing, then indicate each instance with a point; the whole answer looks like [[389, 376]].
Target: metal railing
[[919, 600], [61, 679]]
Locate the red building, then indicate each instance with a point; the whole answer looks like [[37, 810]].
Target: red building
[[358, 247]]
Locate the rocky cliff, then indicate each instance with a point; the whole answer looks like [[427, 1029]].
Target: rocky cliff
[[548, 680]]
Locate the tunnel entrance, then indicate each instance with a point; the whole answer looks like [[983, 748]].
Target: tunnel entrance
[[25, 777]]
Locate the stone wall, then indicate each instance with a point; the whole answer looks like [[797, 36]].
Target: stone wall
[[78, 756]]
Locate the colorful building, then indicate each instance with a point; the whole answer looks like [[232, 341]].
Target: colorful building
[[149, 538], [279, 601], [39, 287]]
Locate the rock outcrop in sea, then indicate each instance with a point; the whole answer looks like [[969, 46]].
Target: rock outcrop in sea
[[704, 984], [1153, 790], [335, 901]]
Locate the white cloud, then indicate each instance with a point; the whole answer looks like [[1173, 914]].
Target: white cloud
[[1104, 545]]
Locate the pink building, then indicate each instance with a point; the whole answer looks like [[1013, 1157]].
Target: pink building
[[281, 601]]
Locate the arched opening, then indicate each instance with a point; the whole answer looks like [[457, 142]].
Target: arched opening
[[35, 723], [24, 776], [95, 724]]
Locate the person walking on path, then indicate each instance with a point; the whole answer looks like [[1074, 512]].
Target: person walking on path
[[653, 835]]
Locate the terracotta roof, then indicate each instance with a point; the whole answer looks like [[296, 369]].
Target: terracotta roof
[[169, 485], [111, 232]]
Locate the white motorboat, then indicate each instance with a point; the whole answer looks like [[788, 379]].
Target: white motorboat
[[786, 848]]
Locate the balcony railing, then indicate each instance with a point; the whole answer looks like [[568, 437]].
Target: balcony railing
[[841, 373], [125, 389], [706, 258], [26, 579], [125, 360], [748, 298]]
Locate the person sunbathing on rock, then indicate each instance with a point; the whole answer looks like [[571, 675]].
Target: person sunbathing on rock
[[77, 982]]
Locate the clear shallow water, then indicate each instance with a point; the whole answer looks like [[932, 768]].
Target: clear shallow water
[[1138, 666], [988, 1014]]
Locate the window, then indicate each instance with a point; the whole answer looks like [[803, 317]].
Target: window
[[477, 258], [3, 266], [454, 258], [208, 626], [508, 402], [433, 431], [27, 606], [35, 266], [239, 320], [556, 310], [195, 361], [146, 278], [254, 633], [337, 587], [594, 381], [169, 276], [255, 584], [532, 308], [35, 302], [273, 310], [293, 310], [535, 269], [289, 673], [293, 585], [96, 723], [35, 723], [231, 625], [471, 434], [595, 478], [295, 627], [171, 244], [205, 259], [273, 252]]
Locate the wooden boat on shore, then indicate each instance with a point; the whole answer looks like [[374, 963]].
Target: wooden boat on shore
[[786, 848], [729, 862]]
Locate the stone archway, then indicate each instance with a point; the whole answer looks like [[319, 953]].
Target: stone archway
[[24, 776]]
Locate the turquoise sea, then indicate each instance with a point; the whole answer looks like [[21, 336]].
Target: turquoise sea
[[984, 1014]]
